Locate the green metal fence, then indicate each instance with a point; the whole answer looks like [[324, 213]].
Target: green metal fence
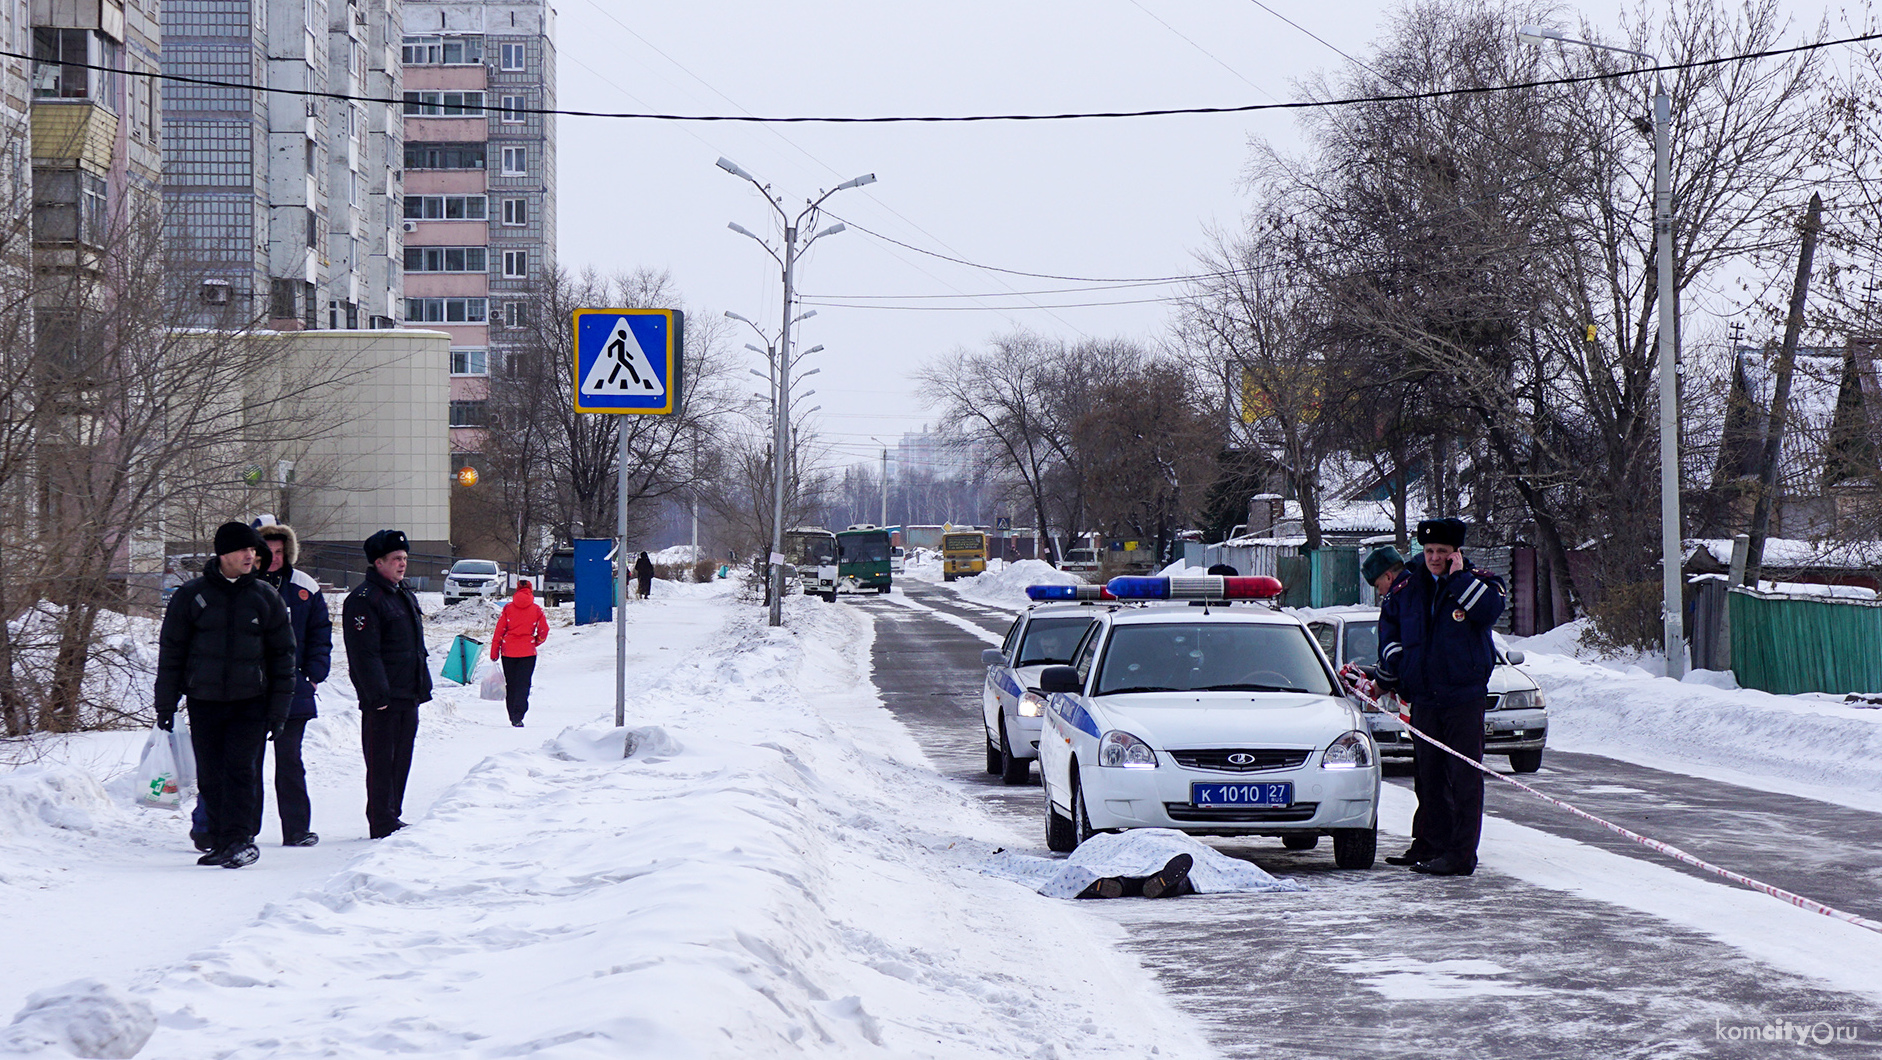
[[1788, 644], [1335, 577]]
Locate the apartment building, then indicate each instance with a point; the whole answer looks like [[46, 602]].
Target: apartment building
[[479, 185], [282, 206]]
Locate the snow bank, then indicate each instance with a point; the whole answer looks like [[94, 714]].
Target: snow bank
[[1830, 749], [1006, 587], [82, 1018], [775, 870], [49, 797]]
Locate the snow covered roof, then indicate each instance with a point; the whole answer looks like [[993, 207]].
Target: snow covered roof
[[1797, 554]]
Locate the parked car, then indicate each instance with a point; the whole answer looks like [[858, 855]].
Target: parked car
[[898, 559], [558, 578], [1516, 719], [1219, 720], [473, 578], [1080, 561], [1011, 703]]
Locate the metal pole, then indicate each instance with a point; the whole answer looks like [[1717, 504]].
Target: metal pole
[[885, 487], [1672, 601], [782, 369], [620, 588]]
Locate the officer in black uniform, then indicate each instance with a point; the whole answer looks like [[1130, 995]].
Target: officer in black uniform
[[1435, 651], [385, 656]]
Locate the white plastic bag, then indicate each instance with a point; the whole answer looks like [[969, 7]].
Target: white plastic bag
[[492, 686], [183, 749], [156, 772]]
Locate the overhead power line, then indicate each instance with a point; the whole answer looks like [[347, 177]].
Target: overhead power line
[[880, 119]]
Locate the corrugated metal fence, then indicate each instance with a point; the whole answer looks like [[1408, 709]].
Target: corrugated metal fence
[[1786, 644]]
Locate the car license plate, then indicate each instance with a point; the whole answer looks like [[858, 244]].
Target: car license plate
[[1278, 794]]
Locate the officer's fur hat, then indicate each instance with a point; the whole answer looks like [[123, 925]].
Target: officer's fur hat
[[384, 543], [1446, 531], [290, 544], [1382, 559]]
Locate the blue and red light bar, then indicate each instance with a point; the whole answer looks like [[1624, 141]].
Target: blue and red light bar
[[1196, 587], [1068, 592]]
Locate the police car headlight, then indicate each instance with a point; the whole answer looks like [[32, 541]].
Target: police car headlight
[[1119, 748], [1522, 699], [1351, 751], [1032, 705]]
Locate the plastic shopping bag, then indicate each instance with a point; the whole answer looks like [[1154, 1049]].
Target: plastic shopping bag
[[183, 749], [460, 664], [493, 687], [156, 772]]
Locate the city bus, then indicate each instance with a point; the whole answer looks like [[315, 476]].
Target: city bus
[[963, 554], [862, 556], [812, 550]]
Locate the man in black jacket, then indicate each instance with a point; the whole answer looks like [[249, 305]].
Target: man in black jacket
[[385, 656], [1435, 651], [226, 644]]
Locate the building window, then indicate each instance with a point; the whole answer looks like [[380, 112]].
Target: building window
[[441, 51], [515, 264], [516, 314], [69, 206], [446, 310], [52, 46], [444, 104], [512, 110], [446, 259], [515, 161], [516, 211], [445, 155], [512, 55], [313, 229], [444, 208], [467, 413], [283, 299], [470, 362]]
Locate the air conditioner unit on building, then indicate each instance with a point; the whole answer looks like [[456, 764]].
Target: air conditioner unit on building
[[411, 226], [215, 292]]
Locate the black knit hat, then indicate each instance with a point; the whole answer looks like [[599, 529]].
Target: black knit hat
[[384, 543], [1446, 531], [234, 537]]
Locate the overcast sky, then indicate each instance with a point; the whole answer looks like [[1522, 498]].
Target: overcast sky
[[1091, 198]]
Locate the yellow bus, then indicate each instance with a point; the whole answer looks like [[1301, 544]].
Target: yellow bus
[[963, 554]]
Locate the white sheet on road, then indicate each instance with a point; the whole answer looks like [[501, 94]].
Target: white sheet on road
[[1139, 852]]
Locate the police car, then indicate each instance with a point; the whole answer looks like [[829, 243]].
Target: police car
[[1214, 720], [1011, 704], [1516, 714]]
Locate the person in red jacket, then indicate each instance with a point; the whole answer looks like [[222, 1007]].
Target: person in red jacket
[[520, 628]]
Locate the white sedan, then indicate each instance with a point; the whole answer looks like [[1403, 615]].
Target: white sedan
[[1010, 701], [1216, 720]]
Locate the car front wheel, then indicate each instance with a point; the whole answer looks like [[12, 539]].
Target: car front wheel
[[1354, 848], [1061, 838], [1014, 771], [993, 753], [1526, 761]]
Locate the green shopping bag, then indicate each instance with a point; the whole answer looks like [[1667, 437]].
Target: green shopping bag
[[460, 664]]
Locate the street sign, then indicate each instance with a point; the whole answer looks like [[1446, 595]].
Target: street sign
[[1003, 522], [628, 360]]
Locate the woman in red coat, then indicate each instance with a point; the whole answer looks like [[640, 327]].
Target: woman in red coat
[[520, 628]]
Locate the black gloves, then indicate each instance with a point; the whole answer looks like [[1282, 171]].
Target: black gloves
[[277, 722], [166, 720]]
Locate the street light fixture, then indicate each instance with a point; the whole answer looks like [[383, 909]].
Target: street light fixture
[[1672, 601], [783, 361]]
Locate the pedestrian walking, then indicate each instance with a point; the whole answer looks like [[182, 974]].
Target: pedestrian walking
[[1435, 651], [313, 660], [227, 645], [521, 629], [385, 657], [643, 573]]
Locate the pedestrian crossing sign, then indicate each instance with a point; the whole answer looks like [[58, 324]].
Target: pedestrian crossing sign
[[628, 360]]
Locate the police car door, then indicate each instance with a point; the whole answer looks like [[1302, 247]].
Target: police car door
[[1055, 737], [1001, 687]]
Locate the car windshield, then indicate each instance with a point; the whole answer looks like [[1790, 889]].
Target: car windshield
[[561, 565], [474, 566], [811, 551], [864, 548], [1211, 657], [1081, 555], [1362, 643], [1049, 641]]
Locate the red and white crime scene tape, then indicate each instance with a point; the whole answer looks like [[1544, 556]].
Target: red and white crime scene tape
[[1366, 690]]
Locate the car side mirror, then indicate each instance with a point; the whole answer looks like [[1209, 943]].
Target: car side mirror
[[992, 657], [444, 573], [1515, 657], [1059, 679]]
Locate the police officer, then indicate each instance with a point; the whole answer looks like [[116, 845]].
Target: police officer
[[227, 644], [1435, 651], [385, 656]]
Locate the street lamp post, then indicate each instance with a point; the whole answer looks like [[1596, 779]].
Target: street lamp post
[[782, 364], [1672, 603]]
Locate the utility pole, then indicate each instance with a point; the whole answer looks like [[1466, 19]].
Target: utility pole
[[885, 487], [1781, 395]]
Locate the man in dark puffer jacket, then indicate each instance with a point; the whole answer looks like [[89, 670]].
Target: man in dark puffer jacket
[[385, 656], [227, 645]]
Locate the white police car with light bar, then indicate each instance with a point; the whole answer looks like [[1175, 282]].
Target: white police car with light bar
[[1011, 703], [1210, 718]]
